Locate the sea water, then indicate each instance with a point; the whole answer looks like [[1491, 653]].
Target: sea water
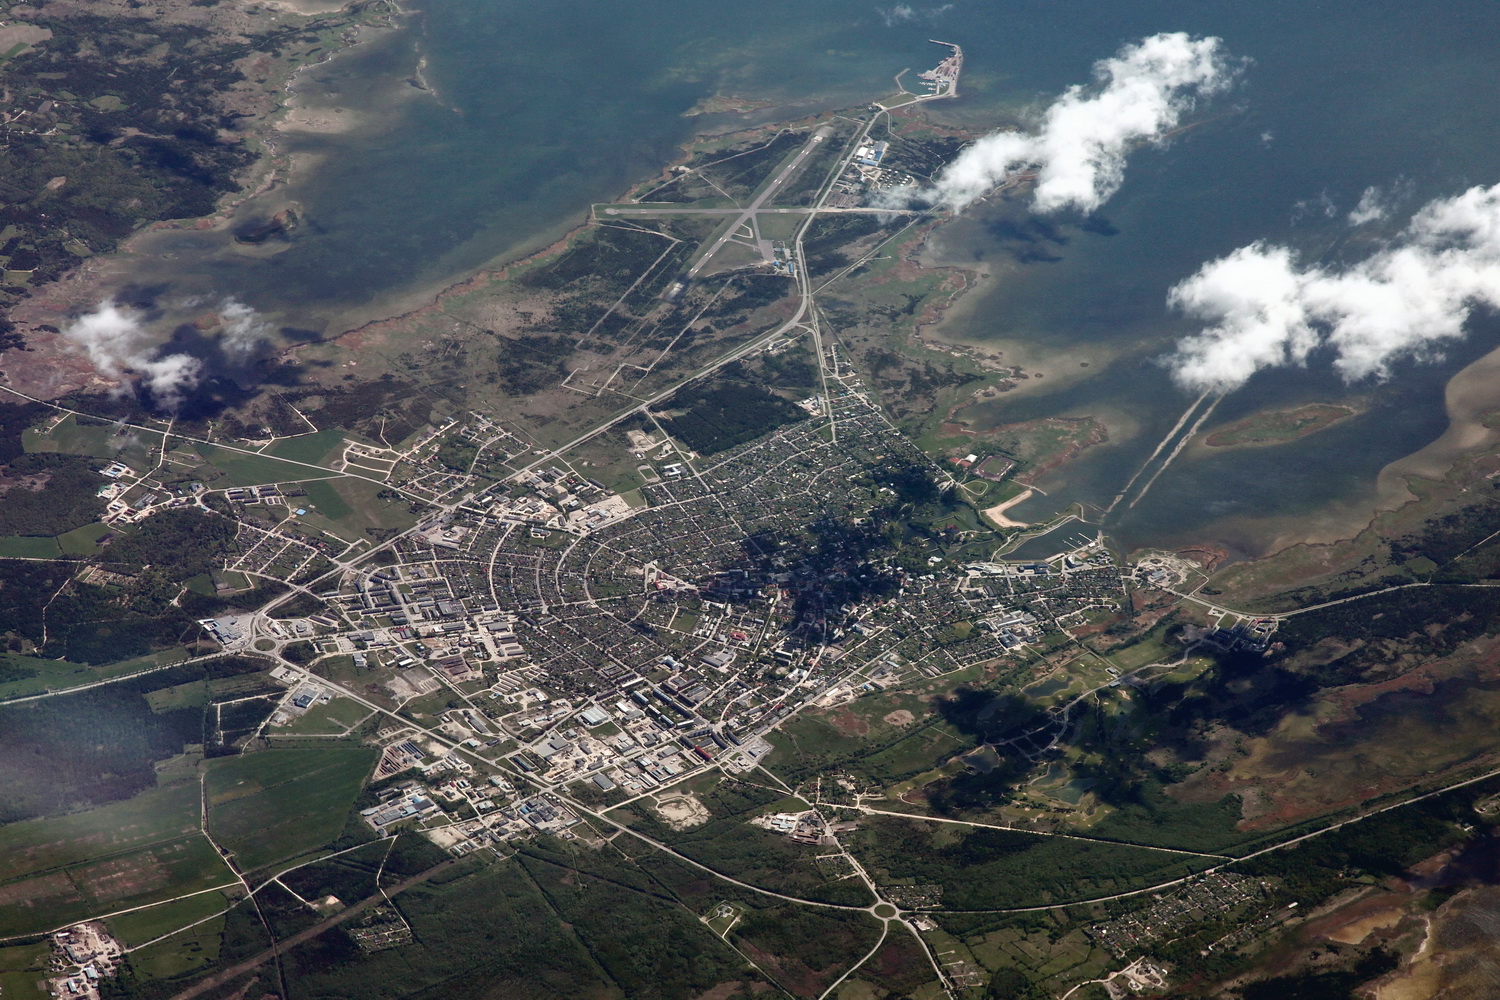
[[1338, 97], [534, 110]]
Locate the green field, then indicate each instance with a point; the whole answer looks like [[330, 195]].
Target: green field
[[22, 966], [169, 699], [1277, 426], [182, 954], [334, 718], [97, 441], [83, 541], [134, 929], [154, 816], [985, 868], [326, 500], [29, 547], [347, 507], [61, 869], [116, 882], [275, 804], [255, 470], [312, 448], [34, 675], [78, 542], [1149, 650]]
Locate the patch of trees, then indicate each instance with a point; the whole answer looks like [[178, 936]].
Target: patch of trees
[[752, 291], [805, 941], [921, 157], [1013, 984], [196, 605], [63, 494], [789, 369], [178, 544], [301, 653], [350, 878], [155, 152], [91, 624], [25, 589], [760, 858], [603, 256], [300, 606], [721, 415], [1384, 845], [87, 749], [1244, 691], [105, 624], [647, 945], [1445, 538], [530, 363], [458, 455], [240, 719], [492, 933], [1427, 621], [14, 419], [912, 483], [365, 403], [13, 671], [993, 868], [822, 246], [1325, 985]]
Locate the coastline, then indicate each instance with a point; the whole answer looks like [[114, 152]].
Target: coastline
[[433, 301], [310, 8], [50, 366], [1469, 395], [1204, 444], [274, 168], [417, 302], [997, 515]]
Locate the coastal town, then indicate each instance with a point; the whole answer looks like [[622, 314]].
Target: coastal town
[[578, 639]]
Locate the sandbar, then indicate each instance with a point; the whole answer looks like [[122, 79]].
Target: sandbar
[[996, 514]]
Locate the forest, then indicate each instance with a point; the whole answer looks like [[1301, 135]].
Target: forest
[[719, 415]]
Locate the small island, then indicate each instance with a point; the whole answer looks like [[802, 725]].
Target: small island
[[1279, 426]]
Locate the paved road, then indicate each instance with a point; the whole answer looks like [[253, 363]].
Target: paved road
[[175, 435], [1278, 846], [287, 944], [1278, 615], [1039, 833], [115, 680]]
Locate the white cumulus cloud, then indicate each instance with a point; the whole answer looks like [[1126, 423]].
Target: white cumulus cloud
[[1265, 309], [1372, 207], [1079, 143], [122, 345], [118, 343], [244, 330], [903, 13]]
